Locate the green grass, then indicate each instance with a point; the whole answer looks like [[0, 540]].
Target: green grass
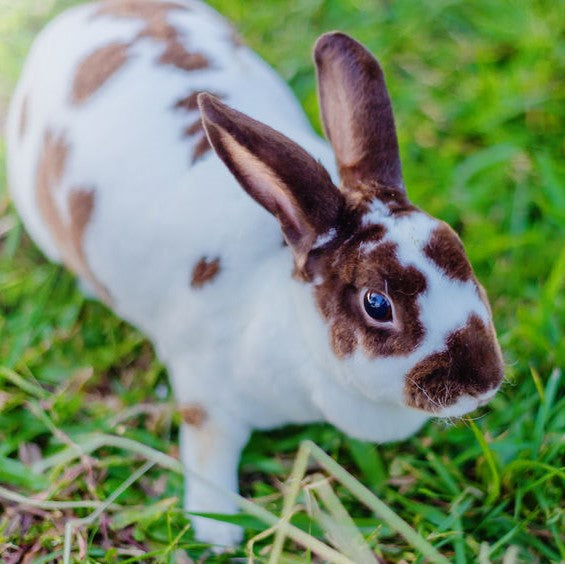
[[478, 94]]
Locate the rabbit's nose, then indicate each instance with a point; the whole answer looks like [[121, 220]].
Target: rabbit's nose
[[462, 371]]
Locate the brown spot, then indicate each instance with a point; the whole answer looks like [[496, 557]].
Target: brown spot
[[446, 250], [96, 69], [190, 103], [195, 129], [67, 235], [154, 14], [157, 27], [81, 206], [193, 414], [200, 149], [472, 364], [201, 146], [24, 116], [175, 54], [204, 272]]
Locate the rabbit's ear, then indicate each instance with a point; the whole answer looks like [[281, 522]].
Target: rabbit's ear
[[276, 172], [357, 112]]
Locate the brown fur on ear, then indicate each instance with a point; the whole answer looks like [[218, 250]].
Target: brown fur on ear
[[357, 113], [276, 172]]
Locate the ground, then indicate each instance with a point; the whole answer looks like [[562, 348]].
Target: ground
[[478, 95]]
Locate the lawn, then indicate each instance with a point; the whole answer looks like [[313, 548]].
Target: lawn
[[478, 94]]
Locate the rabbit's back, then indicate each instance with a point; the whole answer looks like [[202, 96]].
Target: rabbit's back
[[109, 165]]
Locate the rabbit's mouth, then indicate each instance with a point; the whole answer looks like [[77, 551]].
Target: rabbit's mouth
[[443, 394], [465, 404]]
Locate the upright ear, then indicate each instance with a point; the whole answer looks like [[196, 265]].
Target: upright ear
[[357, 113], [276, 172]]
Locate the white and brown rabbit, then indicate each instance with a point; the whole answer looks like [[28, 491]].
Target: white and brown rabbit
[[369, 317]]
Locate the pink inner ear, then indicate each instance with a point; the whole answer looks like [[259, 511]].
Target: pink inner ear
[[267, 188], [339, 119], [357, 112]]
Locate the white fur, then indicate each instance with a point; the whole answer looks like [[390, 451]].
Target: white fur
[[325, 238], [251, 347]]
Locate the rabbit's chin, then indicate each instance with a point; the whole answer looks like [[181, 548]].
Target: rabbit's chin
[[465, 404]]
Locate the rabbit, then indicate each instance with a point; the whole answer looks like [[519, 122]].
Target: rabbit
[[281, 278]]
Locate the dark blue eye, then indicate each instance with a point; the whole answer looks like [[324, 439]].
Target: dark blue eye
[[377, 306]]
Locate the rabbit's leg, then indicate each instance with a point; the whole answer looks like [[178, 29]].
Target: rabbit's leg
[[210, 446]]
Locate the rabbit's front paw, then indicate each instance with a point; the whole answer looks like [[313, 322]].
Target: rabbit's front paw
[[220, 535]]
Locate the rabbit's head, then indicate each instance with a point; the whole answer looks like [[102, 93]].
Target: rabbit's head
[[406, 317]]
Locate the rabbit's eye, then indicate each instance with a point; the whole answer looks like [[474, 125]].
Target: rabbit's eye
[[377, 306]]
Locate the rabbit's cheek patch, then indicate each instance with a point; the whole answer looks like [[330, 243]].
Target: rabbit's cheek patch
[[471, 365], [68, 233], [404, 285], [338, 300], [446, 251], [343, 339]]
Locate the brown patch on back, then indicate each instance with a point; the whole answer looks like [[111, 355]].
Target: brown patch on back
[[447, 252], [81, 206], [471, 364], [200, 149], [204, 272], [157, 27], [96, 69], [175, 54], [195, 129], [67, 235], [154, 14], [202, 146], [190, 103], [24, 116], [193, 414]]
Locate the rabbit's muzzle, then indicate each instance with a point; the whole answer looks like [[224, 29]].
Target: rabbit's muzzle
[[461, 377]]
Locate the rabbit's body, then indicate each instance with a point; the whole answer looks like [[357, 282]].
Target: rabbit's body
[[111, 172], [126, 145]]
